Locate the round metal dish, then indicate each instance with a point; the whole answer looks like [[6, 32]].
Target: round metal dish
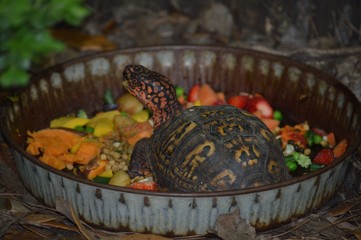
[[299, 91]]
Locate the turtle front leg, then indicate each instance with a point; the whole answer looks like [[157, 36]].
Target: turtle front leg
[[139, 160]]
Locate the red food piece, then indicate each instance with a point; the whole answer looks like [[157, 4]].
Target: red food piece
[[331, 140], [239, 101], [271, 123], [259, 103], [193, 93], [293, 133], [207, 96], [324, 157], [150, 186], [319, 131], [340, 148]]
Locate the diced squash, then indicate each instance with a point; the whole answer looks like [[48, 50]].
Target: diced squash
[[103, 127], [109, 115], [68, 122], [129, 104], [141, 116], [98, 169], [106, 174], [120, 178]]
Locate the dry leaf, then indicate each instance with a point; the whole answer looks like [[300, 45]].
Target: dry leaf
[[37, 218], [343, 208], [82, 41], [231, 226], [344, 225], [142, 237], [357, 234], [65, 208]]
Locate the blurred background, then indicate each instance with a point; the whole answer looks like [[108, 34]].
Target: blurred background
[[322, 33]]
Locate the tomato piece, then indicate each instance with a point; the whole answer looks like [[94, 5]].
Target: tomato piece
[[193, 93], [150, 186]]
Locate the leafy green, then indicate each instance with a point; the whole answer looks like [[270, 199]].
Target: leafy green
[[25, 36], [302, 160]]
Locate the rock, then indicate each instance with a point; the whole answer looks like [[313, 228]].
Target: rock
[[217, 18]]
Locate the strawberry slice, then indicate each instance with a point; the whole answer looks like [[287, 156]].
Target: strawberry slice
[[324, 157], [193, 93], [259, 103], [239, 101]]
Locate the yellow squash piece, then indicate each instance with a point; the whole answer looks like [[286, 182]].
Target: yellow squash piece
[[141, 116], [103, 126], [109, 115], [68, 122], [106, 174]]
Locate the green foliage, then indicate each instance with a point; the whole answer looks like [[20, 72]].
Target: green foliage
[[25, 36]]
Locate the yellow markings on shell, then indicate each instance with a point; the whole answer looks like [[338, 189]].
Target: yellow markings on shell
[[175, 138], [221, 129], [264, 134], [239, 152], [256, 151], [252, 162], [194, 158], [272, 165], [224, 177]]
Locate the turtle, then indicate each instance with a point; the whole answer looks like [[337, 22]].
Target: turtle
[[202, 148]]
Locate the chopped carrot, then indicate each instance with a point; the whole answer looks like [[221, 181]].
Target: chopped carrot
[[271, 123], [97, 170], [340, 148], [207, 95], [53, 162], [331, 139], [51, 141], [87, 151]]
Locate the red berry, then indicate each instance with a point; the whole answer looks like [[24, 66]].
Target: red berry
[[259, 103], [239, 101], [193, 93], [324, 157]]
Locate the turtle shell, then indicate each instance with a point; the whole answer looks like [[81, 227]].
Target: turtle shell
[[215, 148]]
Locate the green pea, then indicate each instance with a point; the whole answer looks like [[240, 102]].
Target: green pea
[[292, 166], [277, 115], [89, 129], [179, 91], [79, 128], [317, 139]]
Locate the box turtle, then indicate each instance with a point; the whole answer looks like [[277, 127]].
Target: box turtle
[[200, 149]]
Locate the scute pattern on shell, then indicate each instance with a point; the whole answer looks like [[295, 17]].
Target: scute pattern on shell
[[214, 148]]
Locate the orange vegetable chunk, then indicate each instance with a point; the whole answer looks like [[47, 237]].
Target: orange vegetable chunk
[[207, 96], [53, 162], [97, 170], [340, 148]]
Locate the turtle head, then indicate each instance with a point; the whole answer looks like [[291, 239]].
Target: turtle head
[[153, 90]]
